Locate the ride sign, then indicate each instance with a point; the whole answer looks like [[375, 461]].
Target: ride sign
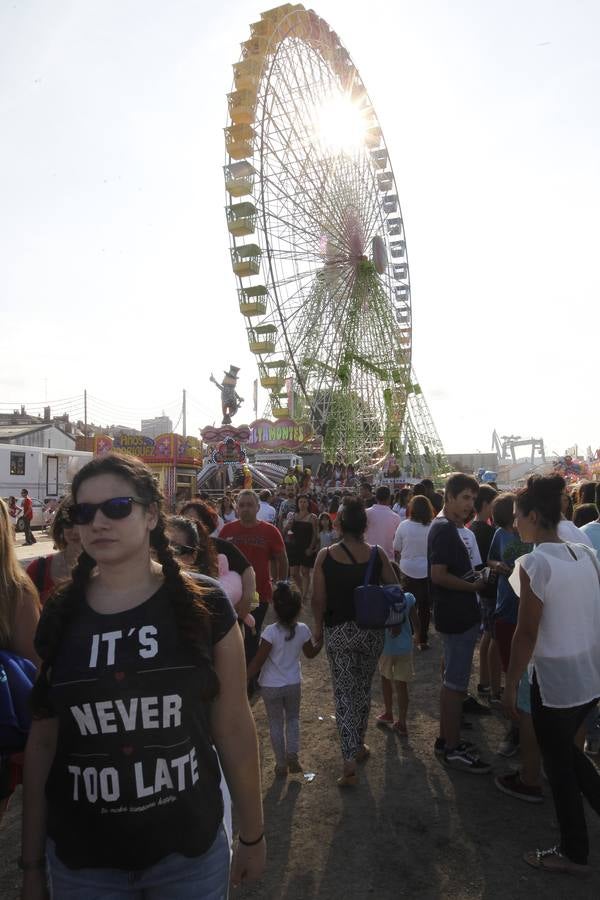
[[283, 434], [166, 448]]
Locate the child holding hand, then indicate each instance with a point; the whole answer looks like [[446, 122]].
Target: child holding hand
[[396, 667], [278, 661]]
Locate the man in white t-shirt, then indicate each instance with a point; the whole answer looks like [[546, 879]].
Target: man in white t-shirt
[[382, 522], [568, 531], [592, 529], [266, 512], [470, 542]]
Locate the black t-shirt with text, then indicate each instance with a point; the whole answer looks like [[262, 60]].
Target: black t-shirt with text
[[135, 776], [454, 611]]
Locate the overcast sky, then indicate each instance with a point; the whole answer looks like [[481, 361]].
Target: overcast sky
[[114, 255]]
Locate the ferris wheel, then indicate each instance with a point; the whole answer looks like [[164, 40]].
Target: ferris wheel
[[318, 244]]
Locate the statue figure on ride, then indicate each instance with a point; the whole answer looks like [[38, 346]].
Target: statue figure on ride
[[230, 399]]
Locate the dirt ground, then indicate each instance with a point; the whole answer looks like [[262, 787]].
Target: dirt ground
[[411, 828]]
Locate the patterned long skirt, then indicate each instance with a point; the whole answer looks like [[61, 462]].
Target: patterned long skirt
[[352, 653]]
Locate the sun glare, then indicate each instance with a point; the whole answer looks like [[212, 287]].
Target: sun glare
[[340, 125]]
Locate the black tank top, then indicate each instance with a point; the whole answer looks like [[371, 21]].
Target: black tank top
[[340, 581], [303, 534]]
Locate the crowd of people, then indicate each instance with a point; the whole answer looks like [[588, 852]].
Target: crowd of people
[[150, 632]]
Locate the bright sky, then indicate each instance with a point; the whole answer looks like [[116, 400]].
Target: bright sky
[[114, 254]]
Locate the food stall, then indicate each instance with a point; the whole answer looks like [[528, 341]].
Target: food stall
[[174, 459]]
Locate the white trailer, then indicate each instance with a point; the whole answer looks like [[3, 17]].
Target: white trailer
[[45, 472]]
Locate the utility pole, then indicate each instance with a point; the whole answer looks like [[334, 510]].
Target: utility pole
[[183, 416], [85, 416]]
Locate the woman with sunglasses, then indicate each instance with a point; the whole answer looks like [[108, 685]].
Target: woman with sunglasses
[[47, 572], [142, 678], [204, 515], [191, 545], [195, 550]]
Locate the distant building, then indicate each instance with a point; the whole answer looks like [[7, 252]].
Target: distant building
[[159, 425], [37, 435], [19, 427]]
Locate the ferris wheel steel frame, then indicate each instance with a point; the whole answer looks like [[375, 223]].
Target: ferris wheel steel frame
[[316, 247]]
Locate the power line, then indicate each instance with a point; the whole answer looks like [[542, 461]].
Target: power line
[[99, 410], [137, 410], [204, 409], [61, 400]]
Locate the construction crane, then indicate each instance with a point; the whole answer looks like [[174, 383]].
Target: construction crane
[[506, 449]]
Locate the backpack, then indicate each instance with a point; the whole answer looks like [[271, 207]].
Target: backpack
[[17, 676]]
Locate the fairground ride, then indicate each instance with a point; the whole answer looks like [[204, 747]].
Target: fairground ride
[[318, 245]]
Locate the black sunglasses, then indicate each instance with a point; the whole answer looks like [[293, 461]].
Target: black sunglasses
[[181, 549], [115, 508]]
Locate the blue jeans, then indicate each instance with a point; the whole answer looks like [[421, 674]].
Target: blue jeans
[[458, 658], [175, 877]]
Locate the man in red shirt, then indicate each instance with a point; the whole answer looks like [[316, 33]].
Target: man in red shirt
[[27, 517], [261, 544]]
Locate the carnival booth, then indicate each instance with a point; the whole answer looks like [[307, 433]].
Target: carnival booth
[[573, 469], [175, 460], [256, 455], [225, 460]]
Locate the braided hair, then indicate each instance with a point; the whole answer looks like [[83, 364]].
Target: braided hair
[[191, 614], [206, 560], [59, 610]]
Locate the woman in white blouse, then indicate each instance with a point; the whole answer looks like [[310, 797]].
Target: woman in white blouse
[[558, 630], [410, 549], [227, 509]]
